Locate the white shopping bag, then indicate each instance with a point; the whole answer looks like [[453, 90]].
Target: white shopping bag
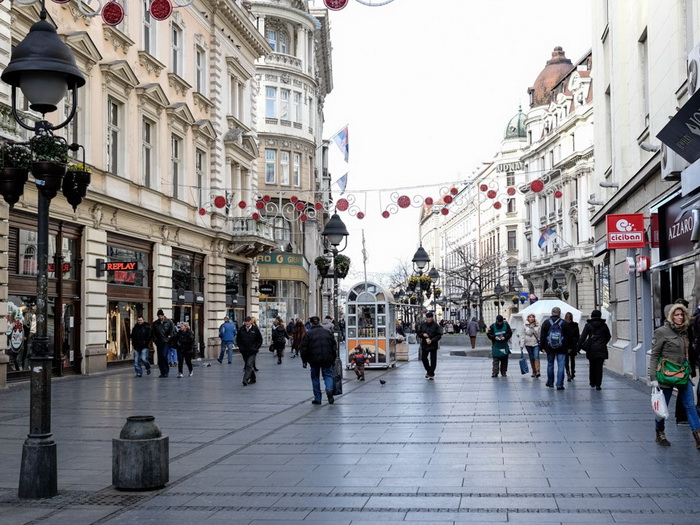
[[658, 403]]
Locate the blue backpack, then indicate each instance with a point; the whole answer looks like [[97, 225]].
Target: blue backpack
[[555, 337]]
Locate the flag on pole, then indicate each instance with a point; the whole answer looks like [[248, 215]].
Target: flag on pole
[[364, 250], [342, 183], [548, 235], [342, 140]]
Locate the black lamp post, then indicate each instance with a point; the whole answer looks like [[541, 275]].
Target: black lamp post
[[498, 302], [434, 277], [335, 233], [44, 68]]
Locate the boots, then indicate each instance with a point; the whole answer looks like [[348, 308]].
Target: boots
[[537, 367], [532, 364], [696, 435], [661, 438]]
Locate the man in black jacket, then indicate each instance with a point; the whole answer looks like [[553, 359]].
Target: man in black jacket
[[429, 333], [249, 340], [163, 330], [141, 338], [318, 350]]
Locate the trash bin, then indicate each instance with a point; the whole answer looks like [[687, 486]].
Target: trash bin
[[140, 456]]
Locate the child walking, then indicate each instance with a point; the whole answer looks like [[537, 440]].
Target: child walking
[[359, 358]]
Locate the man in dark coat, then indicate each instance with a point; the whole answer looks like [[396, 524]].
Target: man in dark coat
[[163, 331], [557, 353], [318, 349], [594, 340], [429, 333], [249, 340], [141, 338]]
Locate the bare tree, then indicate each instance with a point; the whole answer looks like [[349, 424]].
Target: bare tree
[[399, 276]]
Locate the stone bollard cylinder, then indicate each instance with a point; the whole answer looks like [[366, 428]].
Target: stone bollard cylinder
[[140, 457]]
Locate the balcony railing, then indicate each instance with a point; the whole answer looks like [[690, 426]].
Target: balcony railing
[[281, 59], [250, 237]]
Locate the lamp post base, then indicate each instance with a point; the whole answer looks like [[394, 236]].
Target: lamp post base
[[38, 477]]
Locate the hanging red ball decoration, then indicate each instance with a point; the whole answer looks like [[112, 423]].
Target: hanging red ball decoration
[[266, 198], [220, 201], [404, 201], [483, 187], [318, 206], [558, 194], [537, 185], [360, 215], [447, 199], [454, 191], [303, 217], [300, 206], [445, 211], [202, 211], [256, 216], [260, 205], [491, 194], [242, 205], [511, 191], [497, 205], [429, 201], [342, 204], [294, 198], [112, 14], [160, 9], [386, 214]]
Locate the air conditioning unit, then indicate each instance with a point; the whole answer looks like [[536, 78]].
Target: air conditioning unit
[[671, 164], [693, 70]]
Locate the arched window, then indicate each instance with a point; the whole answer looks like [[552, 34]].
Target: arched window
[[278, 40]]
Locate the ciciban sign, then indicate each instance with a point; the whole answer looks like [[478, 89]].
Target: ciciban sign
[[625, 230]]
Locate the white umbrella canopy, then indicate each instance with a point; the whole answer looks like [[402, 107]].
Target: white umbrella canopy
[[542, 310]]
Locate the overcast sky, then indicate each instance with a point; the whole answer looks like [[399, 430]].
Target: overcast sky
[[427, 88]]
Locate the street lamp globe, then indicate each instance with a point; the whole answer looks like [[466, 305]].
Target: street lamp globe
[[434, 274], [420, 260], [335, 230]]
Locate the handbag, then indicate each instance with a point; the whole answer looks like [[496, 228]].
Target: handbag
[[586, 346], [272, 347], [671, 373], [658, 403], [524, 369]]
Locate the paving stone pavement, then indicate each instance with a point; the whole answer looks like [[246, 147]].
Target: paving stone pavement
[[465, 448]]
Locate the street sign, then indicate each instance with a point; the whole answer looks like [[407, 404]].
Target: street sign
[[625, 230]]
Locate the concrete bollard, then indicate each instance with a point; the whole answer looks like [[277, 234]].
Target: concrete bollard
[[140, 456]]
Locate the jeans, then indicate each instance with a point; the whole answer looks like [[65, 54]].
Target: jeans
[[327, 372], [429, 358], [561, 358], [172, 355], [226, 346], [141, 356], [685, 396], [533, 352], [249, 370], [163, 360]]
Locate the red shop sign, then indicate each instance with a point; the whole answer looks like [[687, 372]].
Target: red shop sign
[[625, 230]]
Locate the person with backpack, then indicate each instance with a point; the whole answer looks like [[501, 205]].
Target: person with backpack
[[499, 333], [553, 341]]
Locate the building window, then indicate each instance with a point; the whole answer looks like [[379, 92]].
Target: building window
[[510, 179], [297, 107], [147, 152], [200, 159], [176, 45], [282, 230], [297, 169], [511, 206], [176, 165], [284, 104], [200, 72], [270, 166], [73, 127], [271, 102], [149, 30], [284, 168], [512, 240], [114, 111], [278, 40]]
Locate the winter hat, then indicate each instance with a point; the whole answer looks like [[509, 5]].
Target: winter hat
[[429, 315], [314, 319], [595, 314], [499, 318], [160, 312]]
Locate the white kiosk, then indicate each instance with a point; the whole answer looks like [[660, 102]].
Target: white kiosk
[[370, 321]]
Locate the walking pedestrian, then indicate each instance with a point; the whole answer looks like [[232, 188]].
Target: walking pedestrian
[[249, 340], [572, 346], [328, 323], [227, 334], [429, 333], [298, 333], [553, 337], [531, 342], [183, 342], [671, 341], [279, 338], [141, 339], [594, 341], [359, 357], [163, 331], [319, 351], [499, 333], [472, 329]]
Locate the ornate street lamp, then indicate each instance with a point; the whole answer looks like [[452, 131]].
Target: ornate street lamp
[[44, 68], [420, 260], [336, 233], [434, 277], [498, 302]]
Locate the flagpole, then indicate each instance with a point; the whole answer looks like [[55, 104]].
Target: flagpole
[[364, 256]]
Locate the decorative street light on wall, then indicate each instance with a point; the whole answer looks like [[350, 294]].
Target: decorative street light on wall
[[44, 68]]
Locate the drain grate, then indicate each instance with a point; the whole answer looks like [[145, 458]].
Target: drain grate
[[115, 500]]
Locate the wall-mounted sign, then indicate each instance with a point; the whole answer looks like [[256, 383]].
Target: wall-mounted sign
[[676, 222], [65, 267], [130, 266], [682, 132], [509, 167], [642, 263], [625, 230], [267, 289]]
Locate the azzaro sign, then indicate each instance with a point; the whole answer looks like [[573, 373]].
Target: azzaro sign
[[676, 222]]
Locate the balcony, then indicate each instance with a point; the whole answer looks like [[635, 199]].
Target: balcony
[[250, 237], [282, 60]]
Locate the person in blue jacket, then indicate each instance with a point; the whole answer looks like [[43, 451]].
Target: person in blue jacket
[[227, 334]]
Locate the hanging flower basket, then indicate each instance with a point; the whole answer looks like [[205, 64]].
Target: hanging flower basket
[[342, 266], [323, 265]]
